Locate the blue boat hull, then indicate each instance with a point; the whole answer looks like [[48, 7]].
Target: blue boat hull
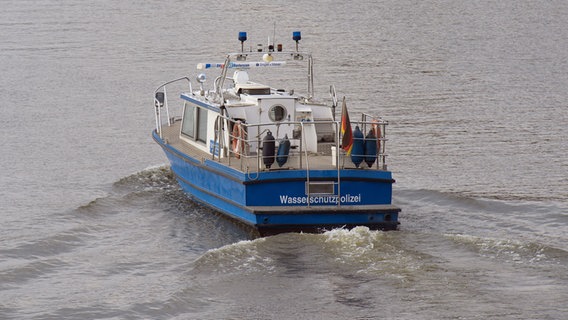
[[275, 201]]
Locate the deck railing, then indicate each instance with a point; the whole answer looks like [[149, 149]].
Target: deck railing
[[161, 102], [299, 157]]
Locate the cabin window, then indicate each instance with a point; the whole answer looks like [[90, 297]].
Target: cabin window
[[277, 113], [194, 123], [188, 124], [201, 125]]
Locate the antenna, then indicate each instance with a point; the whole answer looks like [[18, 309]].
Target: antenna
[[274, 36], [271, 43]]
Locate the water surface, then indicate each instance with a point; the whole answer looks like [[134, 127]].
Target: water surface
[[93, 225]]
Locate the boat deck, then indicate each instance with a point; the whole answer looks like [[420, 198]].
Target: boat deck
[[322, 160]]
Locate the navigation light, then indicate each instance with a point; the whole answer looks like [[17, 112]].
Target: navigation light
[[297, 36], [242, 39]]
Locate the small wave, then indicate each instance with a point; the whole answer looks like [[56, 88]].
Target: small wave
[[475, 199], [513, 251], [454, 199], [26, 271], [359, 252], [61, 242], [151, 178], [461, 214], [504, 204], [374, 252], [356, 242], [136, 189], [241, 257]]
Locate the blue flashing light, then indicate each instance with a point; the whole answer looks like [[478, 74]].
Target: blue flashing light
[[242, 36], [296, 35]]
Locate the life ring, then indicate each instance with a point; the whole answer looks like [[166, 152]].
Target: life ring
[[239, 137], [377, 131]]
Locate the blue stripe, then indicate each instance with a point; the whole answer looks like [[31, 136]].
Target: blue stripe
[[200, 103]]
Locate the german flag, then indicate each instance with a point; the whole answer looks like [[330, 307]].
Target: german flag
[[346, 132]]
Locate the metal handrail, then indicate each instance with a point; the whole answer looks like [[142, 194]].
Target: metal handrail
[[158, 105], [303, 153], [307, 162]]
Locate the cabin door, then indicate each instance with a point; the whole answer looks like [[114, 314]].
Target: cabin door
[[309, 136]]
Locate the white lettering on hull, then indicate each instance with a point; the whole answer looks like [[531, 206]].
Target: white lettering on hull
[[347, 198]]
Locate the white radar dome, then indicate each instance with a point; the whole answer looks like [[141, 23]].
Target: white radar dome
[[240, 77]]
